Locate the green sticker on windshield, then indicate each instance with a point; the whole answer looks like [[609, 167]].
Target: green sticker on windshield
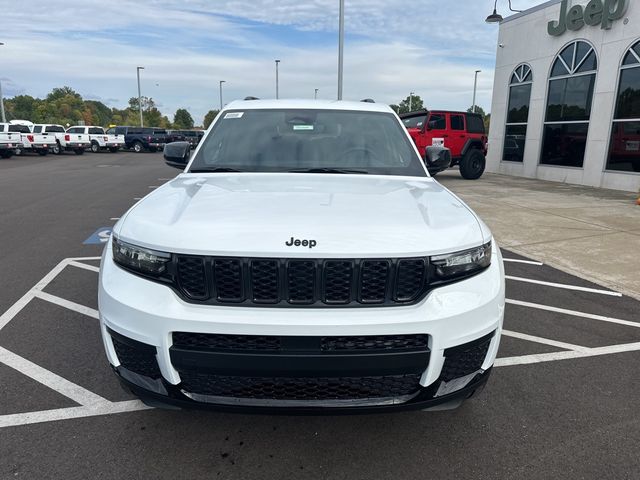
[[303, 127]]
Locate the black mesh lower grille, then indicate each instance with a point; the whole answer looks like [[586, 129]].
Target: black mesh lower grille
[[210, 341], [465, 359], [280, 388], [376, 342], [136, 356]]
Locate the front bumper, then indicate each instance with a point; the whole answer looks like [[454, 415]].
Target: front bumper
[[460, 314]]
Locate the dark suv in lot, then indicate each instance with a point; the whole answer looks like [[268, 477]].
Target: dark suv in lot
[[142, 138], [461, 132]]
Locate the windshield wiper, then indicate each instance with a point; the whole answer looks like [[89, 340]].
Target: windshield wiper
[[327, 170], [215, 169]]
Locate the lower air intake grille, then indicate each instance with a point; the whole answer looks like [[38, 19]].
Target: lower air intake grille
[[136, 356], [280, 388], [465, 359]]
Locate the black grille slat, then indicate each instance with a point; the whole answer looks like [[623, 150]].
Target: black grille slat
[[191, 277], [301, 281], [286, 388], [338, 277], [228, 280], [265, 281], [375, 342], [374, 276], [298, 282], [410, 277], [212, 341], [464, 360]]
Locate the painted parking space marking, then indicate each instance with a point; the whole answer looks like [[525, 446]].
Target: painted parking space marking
[[114, 218], [99, 237], [517, 260], [92, 404], [565, 286]]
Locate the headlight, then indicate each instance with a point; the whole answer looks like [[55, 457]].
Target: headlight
[[143, 260], [459, 264]]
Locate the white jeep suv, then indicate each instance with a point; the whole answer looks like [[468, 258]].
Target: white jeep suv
[[303, 260]]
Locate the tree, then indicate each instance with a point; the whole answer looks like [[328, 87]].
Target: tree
[[210, 117], [414, 101], [479, 110], [183, 119]]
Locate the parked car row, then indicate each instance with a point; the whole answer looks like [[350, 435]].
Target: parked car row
[[20, 136]]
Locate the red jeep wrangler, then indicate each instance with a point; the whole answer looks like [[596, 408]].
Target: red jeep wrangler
[[462, 133]]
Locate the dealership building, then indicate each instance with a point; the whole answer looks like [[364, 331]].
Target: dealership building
[[566, 94]]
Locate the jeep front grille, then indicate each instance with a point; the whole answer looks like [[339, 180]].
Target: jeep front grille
[[300, 282]]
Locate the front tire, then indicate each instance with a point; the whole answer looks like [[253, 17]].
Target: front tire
[[472, 164], [57, 149], [6, 154], [95, 148], [137, 147]]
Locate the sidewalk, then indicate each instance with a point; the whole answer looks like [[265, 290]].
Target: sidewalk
[[590, 232]]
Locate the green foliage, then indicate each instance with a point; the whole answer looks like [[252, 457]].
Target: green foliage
[[210, 117], [65, 106], [479, 110], [183, 119], [409, 104]]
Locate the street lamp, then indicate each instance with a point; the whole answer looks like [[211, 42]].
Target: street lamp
[[315, 94], [221, 82], [277, 93], [340, 48], [495, 17], [475, 86], [140, 96], [410, 100], [4, 119]]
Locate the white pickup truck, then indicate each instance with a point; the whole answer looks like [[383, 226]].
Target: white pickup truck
[[31, 142], [9, 141], [61, 140], [98, 138]]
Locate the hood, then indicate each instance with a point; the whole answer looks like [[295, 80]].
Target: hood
[[246, 214]]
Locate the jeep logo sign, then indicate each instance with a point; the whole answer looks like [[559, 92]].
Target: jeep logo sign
[[300, 243], [596, 12]]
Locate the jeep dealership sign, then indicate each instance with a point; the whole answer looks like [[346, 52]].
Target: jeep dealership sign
[[596, 12]]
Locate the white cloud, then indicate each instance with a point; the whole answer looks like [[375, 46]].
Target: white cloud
[[431, 48]]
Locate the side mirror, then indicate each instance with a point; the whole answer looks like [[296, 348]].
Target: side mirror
[[176, 154], [437, 159]]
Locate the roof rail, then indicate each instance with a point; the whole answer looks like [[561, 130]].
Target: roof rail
[[368, 100], [251, 98]]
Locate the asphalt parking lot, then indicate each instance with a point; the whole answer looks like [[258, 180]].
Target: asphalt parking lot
[[563, 400]]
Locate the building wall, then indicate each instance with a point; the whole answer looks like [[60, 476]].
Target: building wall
[[524, 39]]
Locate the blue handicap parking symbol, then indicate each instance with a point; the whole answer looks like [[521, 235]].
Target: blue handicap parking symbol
[[100, 236]]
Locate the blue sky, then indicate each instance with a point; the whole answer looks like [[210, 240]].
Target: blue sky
[[430, 47]]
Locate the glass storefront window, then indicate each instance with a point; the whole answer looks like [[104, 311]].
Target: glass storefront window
[[624, 144], [517, 114], [569, 98]]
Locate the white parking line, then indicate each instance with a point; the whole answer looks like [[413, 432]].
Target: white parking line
[[63, 302], [114, 218], [55, 382], [516, 260], [574, 313], [564, 285], [153, 186], [84, 266], [107, 408], [137, 198], [566, 355], [545, 341]]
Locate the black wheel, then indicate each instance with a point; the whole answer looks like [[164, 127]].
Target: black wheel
[[472, 164], [113, 149], [95, 148], [137, 147], [42, 153], [57, 148], [8, 154], [19, 152], [79, 151]]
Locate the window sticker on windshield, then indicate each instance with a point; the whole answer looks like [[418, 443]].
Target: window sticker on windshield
[[234, 115], [303, 127]]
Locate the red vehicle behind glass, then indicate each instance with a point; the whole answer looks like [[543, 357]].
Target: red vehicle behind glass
[[461, 132]]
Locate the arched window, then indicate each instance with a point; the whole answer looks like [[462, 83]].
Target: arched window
[[571, 83], [624, 146], [517, 113]]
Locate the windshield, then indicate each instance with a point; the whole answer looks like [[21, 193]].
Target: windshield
[[54, 129], [315, 141], [414, 122]]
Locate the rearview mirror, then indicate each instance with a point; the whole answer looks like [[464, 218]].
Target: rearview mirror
[[437, 159], [176, 154]]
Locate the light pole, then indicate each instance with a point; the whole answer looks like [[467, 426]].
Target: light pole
[[221, 82], [140, 96], [4, 119], [410, 101], [340, 48], [315, 94], [277, 86], [475, 86]]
